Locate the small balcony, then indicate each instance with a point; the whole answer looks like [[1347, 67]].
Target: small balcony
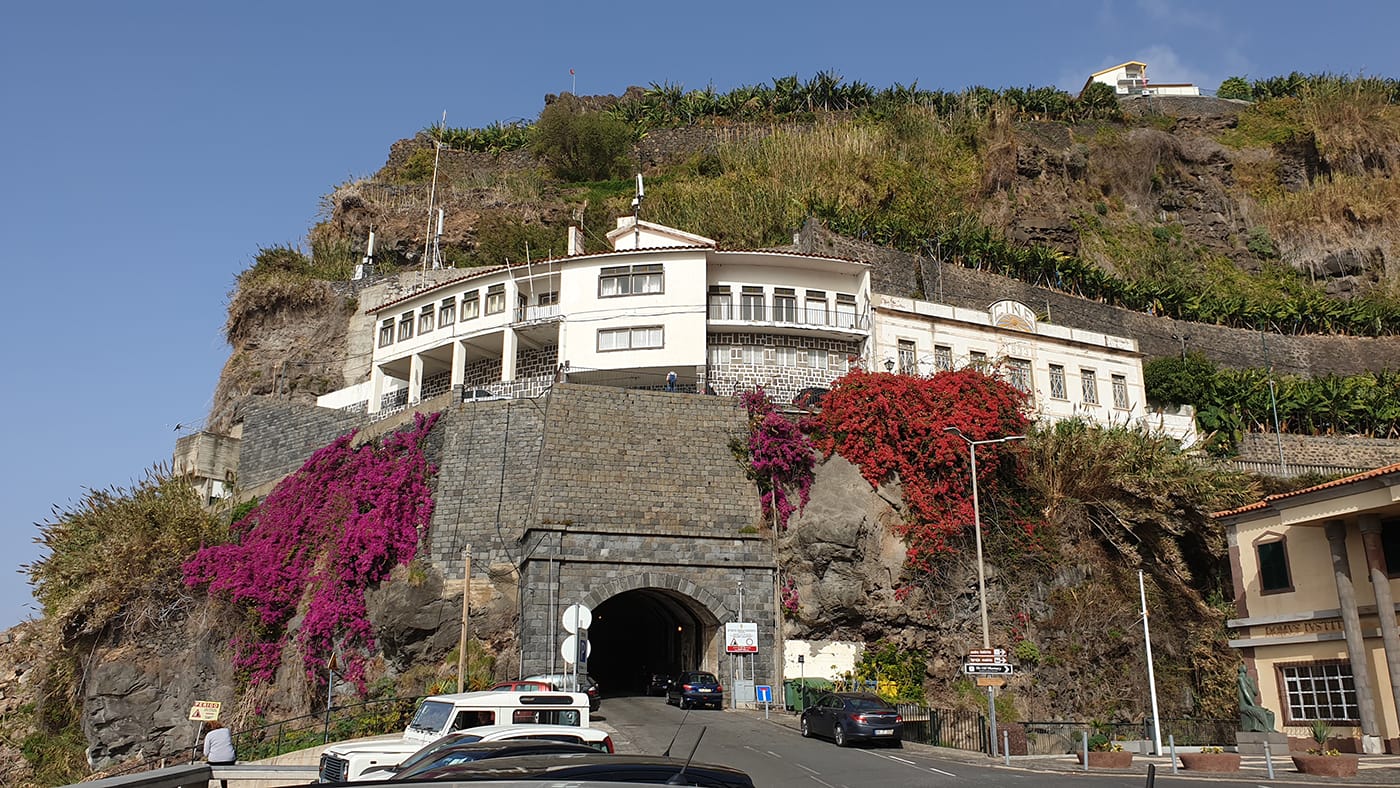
[[789, 316], [536, 314]]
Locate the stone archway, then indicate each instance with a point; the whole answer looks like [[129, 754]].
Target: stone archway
[[653, 622]]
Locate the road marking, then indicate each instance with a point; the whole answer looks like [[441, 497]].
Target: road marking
[[902, 760], [823, 782], [808, 768], [751, 748], [940, 771]]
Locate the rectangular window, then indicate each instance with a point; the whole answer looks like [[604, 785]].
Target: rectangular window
[[495, 299], [1089, 384], [977, 359], [1120, 392], [942, 358], [447, 312], [845, 310], [425, 318], [751, 306], [721, 303], [1390, 546], [405, 326], [817, 358], [624, 280], [644, 338], [816, 307], [1273, 566], [1320, 691], [386, 333], [785, 305], [718, 356], [1018, 374], [549, 299], [750, 354], [1057, 382], [908, 358], [786, 357], [471, 304]]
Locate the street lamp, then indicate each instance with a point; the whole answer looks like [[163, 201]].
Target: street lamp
[[981, 571]]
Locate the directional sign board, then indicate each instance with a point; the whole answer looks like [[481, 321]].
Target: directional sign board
[[987, 656], [975, 669], [741, 638]]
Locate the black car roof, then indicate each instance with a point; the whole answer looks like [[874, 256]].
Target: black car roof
[[597, 765]]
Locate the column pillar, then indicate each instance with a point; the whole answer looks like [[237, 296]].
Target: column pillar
[[1385, 603], [509, 343], [415, 378], [459, 364], [1356, 642], [376, 389]]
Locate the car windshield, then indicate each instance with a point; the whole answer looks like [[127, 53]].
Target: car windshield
[[703, 678], [869, 704], [431, 716]]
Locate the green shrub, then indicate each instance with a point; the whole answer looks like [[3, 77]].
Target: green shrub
[[1261, 243], [582, 146], [1178, 380], [1235, 88]]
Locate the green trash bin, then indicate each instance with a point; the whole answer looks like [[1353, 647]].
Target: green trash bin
[[794, 696]]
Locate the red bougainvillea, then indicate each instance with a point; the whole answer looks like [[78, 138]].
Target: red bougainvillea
[[339, 524], [780, 457], [893, 427]]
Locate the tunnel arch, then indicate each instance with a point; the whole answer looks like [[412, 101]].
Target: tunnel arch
[[652, 623]]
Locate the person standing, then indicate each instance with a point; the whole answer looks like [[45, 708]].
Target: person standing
[[670, 381]]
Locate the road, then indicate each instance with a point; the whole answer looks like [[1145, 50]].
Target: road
[[776, 754]]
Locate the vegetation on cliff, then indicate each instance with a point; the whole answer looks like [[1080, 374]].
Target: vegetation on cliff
[[340, 523]]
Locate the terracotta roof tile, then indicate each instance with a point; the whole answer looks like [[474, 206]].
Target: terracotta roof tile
[[1270, 500]]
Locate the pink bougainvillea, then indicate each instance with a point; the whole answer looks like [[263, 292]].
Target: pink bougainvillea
[[342, 522], [780, 457], [790, 599]]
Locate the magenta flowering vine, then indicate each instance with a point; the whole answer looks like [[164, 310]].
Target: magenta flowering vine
[[780, 458], [340, 523], [789, 596]]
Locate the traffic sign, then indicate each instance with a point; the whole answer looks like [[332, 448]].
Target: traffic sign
[[741, 638], [577, 617], [975, 669], [987, 656], [570, 649], [991, 681], [763, 693], [205, 710]]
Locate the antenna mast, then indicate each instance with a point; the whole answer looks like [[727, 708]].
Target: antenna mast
[[428, 241], [636, 214]]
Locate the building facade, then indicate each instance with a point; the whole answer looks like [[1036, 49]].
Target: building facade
[[1316, 575]]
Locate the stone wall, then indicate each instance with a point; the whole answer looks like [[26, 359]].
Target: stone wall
[[902, 274], [1322, 453], [279, 436], [728, 377]]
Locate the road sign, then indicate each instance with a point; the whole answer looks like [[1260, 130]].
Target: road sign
[[577, 617], [741, 638], [764, 693], [991, 681], [974, 669], [987, 656], [205, 710], [571, 646]]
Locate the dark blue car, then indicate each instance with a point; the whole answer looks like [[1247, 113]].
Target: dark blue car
[[695, 688]]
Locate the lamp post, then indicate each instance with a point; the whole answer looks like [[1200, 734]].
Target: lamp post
[[981, 570]]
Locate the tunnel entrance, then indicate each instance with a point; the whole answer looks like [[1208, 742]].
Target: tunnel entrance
[[649, 630]]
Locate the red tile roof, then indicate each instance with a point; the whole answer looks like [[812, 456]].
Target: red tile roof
[[1270, 500]]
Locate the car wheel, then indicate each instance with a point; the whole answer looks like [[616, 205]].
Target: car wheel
[[806, 731], [839, 735], [897, 744], [684, 704]]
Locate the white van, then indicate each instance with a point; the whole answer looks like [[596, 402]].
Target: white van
[[440, 715]]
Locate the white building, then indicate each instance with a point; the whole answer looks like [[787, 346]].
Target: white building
[[1130, 79], [665, 301]]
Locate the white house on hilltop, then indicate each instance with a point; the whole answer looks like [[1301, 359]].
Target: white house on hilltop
[[664, 301], [1130, 79]]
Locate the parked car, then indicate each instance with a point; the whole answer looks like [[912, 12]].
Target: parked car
[[564, 682], [594, 739], [522, 686], [471, 752], [596, 767], [847, 717], [695, 688], [658, 684]]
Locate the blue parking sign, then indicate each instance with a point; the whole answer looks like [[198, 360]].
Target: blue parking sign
[[764, 693]]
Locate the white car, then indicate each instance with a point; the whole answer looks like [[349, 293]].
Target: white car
[[591, 737]]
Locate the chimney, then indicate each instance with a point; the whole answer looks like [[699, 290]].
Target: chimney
[[575, 240]]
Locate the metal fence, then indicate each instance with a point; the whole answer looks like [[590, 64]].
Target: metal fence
[[962, 730], [1063, 736], [342, 722]]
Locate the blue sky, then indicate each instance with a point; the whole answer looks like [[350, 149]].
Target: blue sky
[[148, 149]]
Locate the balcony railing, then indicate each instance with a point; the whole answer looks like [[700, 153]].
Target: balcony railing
[[529, 314], [789, 316]]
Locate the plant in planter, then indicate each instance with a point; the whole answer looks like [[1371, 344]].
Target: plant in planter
[[1105, 753], [1210, 759], [1322, 760]]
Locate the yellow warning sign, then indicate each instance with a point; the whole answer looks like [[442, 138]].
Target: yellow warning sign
[[205, 710]]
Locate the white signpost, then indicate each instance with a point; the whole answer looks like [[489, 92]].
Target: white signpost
[[576, 648], [741, 638]]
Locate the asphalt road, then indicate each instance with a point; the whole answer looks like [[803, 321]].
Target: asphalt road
[[775, 755]]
